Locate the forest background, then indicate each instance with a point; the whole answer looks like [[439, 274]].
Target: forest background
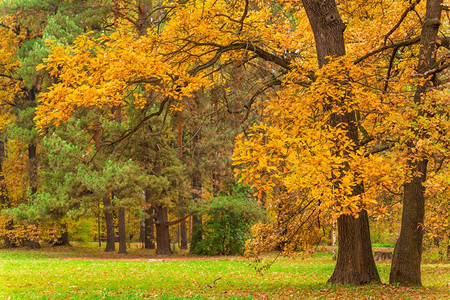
[[191, 121]]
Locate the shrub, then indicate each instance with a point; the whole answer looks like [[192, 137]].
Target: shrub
[[226, 223]]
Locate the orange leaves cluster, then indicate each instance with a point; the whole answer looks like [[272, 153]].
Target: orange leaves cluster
[[171, 60], [109, 71], [296, 148], [9, 85], [19, 234]]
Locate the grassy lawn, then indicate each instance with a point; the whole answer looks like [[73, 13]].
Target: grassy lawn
[[89, 273]]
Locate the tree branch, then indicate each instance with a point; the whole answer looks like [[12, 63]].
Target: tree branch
[[394, 45], [402, 18], [170, 223]]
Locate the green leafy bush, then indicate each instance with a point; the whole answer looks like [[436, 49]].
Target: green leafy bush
[[226, 223]]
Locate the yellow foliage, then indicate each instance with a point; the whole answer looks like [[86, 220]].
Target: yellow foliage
[[295, 155]]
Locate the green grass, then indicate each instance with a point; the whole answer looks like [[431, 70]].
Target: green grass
[[82, 273], [383, 245]]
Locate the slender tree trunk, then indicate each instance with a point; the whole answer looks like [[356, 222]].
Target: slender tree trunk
[[107, 206], [109, 220], [99, 226], [149, 224], [32, 167], [183, 234], [32, 173], [162, 231], [142, 229], [405, 269], [196, 193], [4, 196], [122, 231], [197, 233], [355, 263], [333, 235]]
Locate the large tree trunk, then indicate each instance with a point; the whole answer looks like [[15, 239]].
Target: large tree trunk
[[122, 231], [109, 220], [405, 269], [355, 263], [407, 257], [162, 231]]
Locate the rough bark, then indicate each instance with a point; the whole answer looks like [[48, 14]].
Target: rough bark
[[122, 231], [405, 269], [109, 220], [162, 231], [327, 27], [355, 263]]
